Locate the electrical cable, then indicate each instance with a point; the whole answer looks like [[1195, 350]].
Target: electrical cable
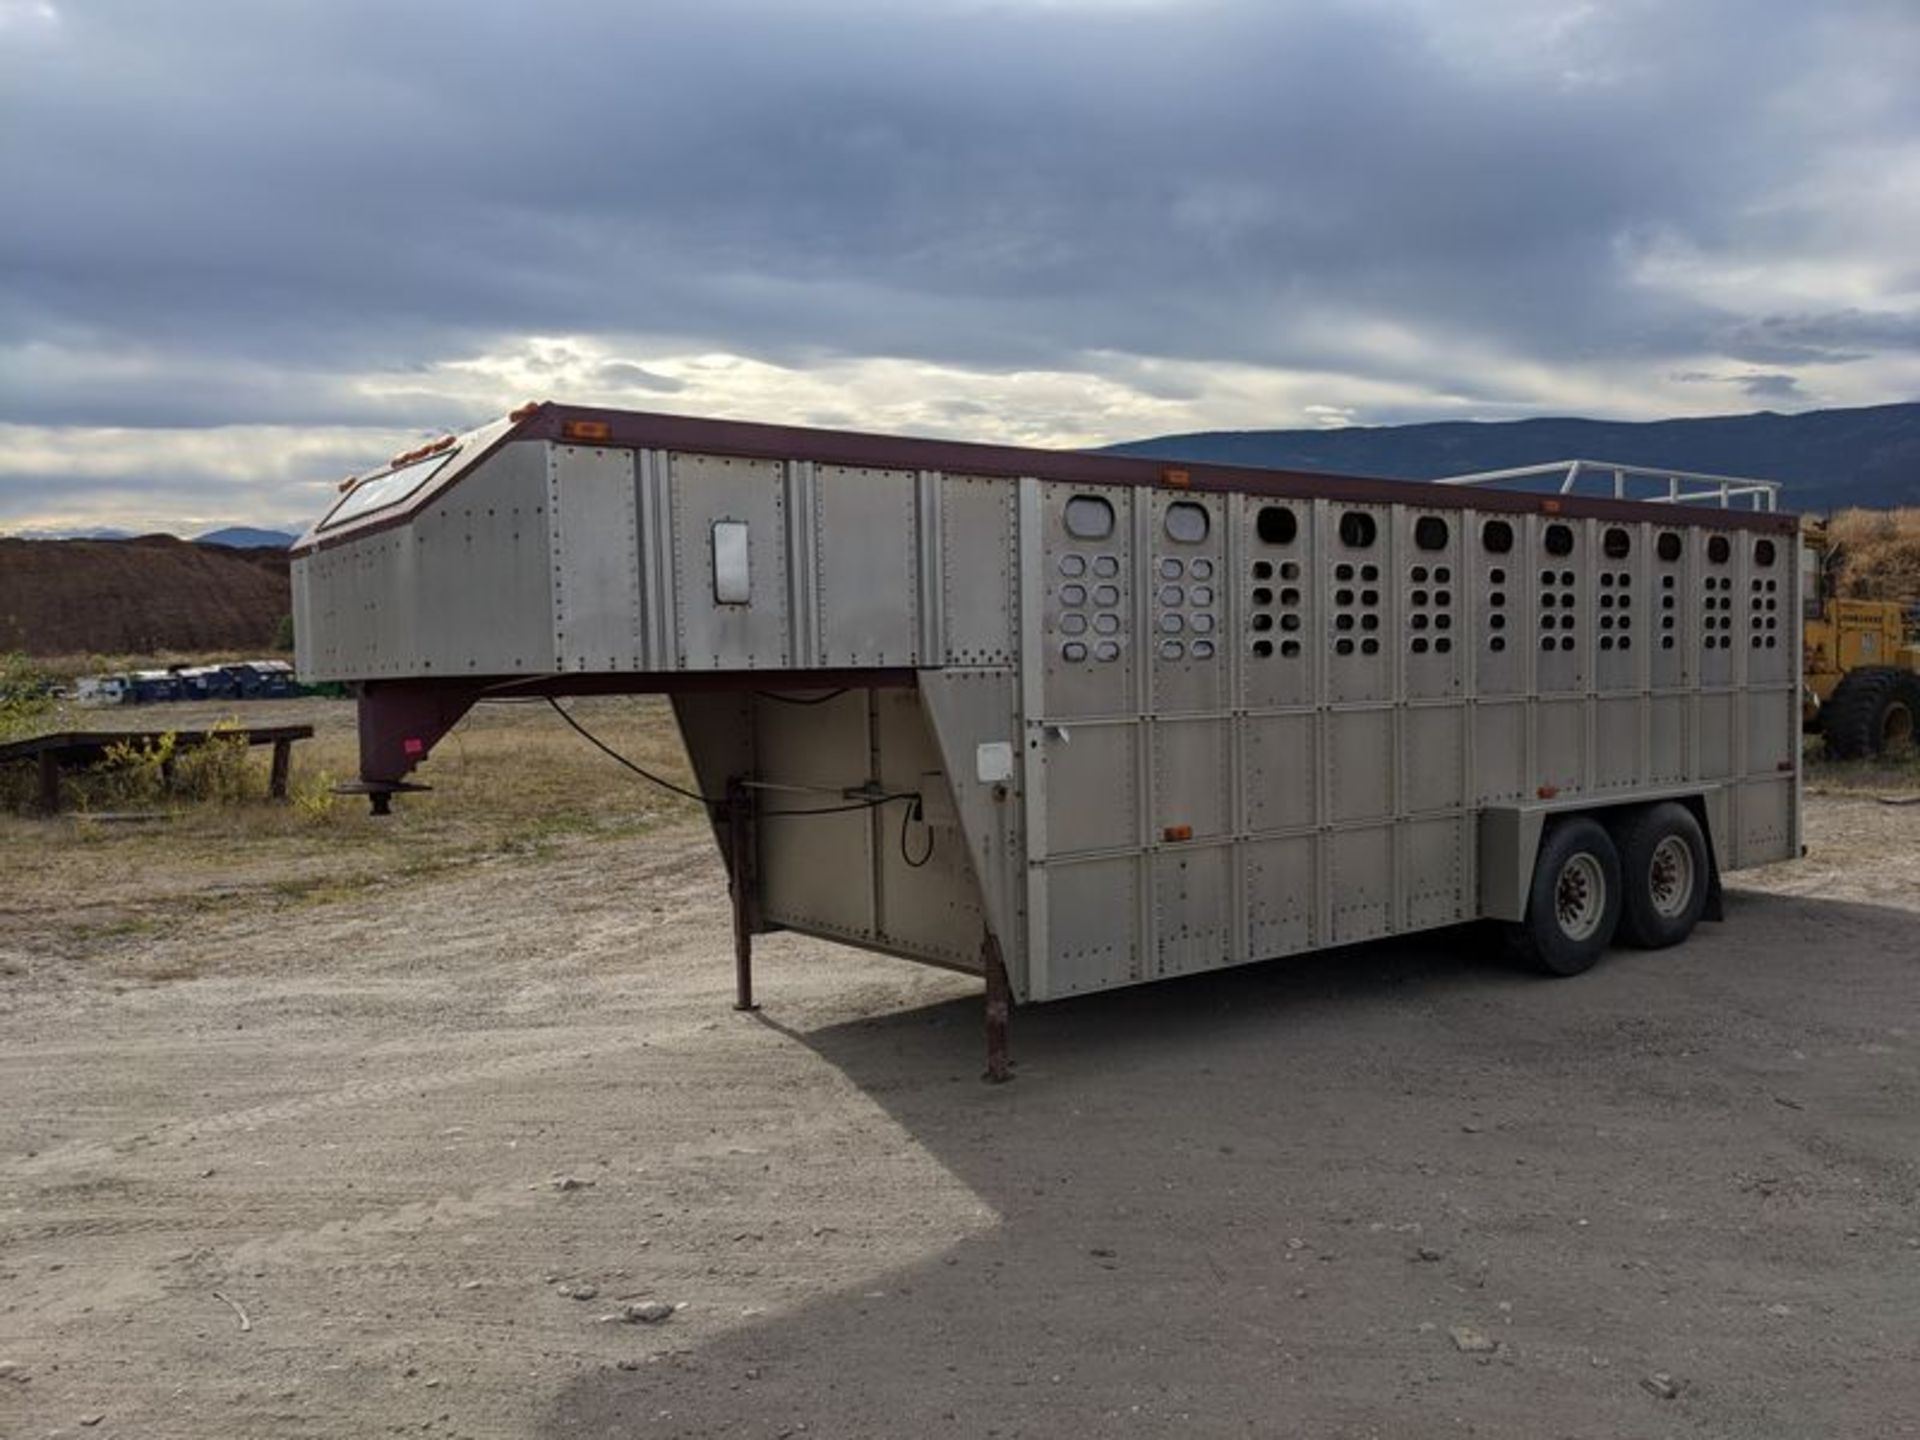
[[915, 812], [872, 803], [613, 754], [796, 700]]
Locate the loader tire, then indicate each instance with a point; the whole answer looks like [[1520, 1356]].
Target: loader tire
[[1873, 710]]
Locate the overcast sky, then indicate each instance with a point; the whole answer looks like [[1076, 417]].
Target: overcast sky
[[249, 247]]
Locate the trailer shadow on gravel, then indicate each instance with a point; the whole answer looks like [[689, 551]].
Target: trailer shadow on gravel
[[1399, 1189]]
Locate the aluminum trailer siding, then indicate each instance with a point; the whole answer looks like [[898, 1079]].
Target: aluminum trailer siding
[[1158, 719]]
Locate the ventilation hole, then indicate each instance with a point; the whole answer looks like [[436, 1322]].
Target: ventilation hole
[[1430, 533], [1445, 597], [1616, 544], [1276, 525], [1088, 517], [1497, 576], [1442, 575], [1566, 642], [1566, 578], [1343, 647], [1606, 642], [1343, 572], [1289, 597], [1417, 621], [1187, 523], [1263, 621], [1546, 577], [1369, 572], [1546, 642], [1369, 597], [1358, 530], [1558, 539], [1263, 648], [1763, 552], [1369, 622], [1496, 537], [1289, 622], [1263, 596], [1343, 597], [1419, 575], [1263, 569], [1497, 644], [1626, 642], [1343, 622], [1289, 648], [1442, 646], [1668, 548], [1290, 570], [1369, 647], [1419, 647], [1718, 550], [1443, 622], [1497, 622]]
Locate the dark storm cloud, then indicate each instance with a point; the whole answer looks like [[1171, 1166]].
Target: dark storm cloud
[[269, 200]]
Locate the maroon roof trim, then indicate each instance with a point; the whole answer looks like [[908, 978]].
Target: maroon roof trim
[[644, 430]]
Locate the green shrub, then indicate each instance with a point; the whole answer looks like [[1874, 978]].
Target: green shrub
[[26, 697]]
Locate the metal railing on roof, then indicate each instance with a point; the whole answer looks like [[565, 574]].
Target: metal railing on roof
[[1638, 482]]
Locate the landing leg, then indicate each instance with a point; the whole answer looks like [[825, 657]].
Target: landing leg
[[999, 1012], [740, 864]]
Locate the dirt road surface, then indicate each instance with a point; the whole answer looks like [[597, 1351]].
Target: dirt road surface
[[386, 1163]]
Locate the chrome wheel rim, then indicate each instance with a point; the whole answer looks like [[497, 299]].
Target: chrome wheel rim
[[1580, 897], [1670, 877]]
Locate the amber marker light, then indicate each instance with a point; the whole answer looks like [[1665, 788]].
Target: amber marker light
[[1177, 832], [1178, 479], [586, 430]]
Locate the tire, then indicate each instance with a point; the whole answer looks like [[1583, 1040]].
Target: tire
[[1573, 906], [1665, 873], [1873, 709]]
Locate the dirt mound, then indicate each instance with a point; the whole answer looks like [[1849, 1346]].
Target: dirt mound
[[137, 597], [1879, 553]]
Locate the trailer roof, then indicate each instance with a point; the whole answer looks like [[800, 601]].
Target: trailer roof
[[646, 430]]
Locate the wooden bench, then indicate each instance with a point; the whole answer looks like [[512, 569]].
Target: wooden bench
[[53, 753]]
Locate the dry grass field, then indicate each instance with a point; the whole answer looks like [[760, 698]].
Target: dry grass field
[[318, 1125]]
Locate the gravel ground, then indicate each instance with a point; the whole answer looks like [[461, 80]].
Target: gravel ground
[[400, 1161]]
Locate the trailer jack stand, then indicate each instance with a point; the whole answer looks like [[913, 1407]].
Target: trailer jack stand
[[740, 871], [999, 1011]]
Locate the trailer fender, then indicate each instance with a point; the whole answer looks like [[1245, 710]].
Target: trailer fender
[[1509, 840]]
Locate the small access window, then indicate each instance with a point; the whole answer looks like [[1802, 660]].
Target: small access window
[[732, 575], [1358, 530], [1089, 517], [1718, 550], [1616, 544], [1276, 525], [1187, 523], [1668, 546], [1496, 537], [1763, 553], [1430, 532], [1558, 539]]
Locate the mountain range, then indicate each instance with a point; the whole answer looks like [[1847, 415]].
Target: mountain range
[[1827, 459]]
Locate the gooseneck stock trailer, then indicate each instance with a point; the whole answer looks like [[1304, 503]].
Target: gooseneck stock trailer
[[1074, 721]]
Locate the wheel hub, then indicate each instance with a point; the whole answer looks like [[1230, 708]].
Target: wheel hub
[[1580, 897], [1670, 877]]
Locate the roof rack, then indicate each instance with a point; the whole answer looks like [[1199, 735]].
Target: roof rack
[[1639, 482]]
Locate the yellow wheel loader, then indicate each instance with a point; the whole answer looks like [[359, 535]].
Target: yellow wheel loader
[[1861, 668]]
